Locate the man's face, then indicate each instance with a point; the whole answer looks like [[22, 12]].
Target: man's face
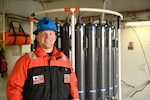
[[46, 39]]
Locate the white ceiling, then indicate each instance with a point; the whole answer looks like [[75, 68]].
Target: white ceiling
[[129, 8]]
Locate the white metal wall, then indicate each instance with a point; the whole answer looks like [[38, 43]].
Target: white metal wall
[[135, 63]]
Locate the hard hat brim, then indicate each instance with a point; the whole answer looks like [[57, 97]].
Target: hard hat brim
[[36, 31]]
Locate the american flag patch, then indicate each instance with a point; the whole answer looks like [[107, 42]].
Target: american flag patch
[[38, 79]]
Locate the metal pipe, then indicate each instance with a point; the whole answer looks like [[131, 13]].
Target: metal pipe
[[65, 40], [119, 58], [102, 10], [115, 63], [104, 6], [3, 21], [80, 57], [102, 61], [47, 11], [73, 37], [110, 59], [31, 31], [59, 31], [91, 61], [79, 9]]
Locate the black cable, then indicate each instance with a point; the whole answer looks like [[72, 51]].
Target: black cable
[[127, 84], [140, 89], [142, 50]]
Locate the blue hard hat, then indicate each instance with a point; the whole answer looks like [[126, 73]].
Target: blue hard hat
[[45, 24]]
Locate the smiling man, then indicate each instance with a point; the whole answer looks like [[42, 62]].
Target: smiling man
[[45, 73]]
